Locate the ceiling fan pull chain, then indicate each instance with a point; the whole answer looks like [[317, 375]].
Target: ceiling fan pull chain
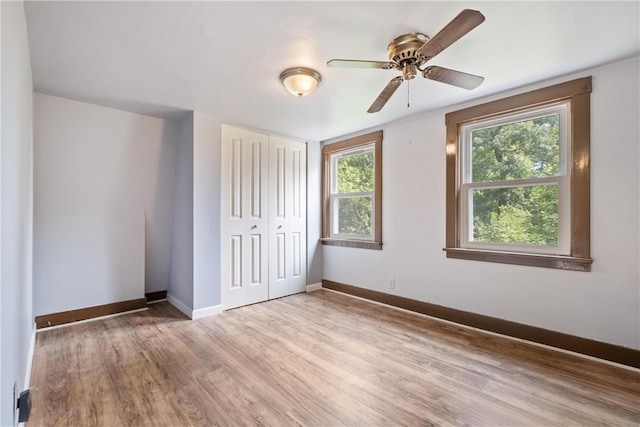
[[408, 83]]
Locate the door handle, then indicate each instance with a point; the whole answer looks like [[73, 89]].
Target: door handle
[[254, 227], [279, 227]]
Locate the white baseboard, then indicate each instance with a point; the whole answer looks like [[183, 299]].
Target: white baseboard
[[194, 314], [180, 305], [314, 287], [206, 311], [32, 347]]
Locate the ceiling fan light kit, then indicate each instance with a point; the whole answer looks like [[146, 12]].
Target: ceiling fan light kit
[[408, 53], [300, 81]]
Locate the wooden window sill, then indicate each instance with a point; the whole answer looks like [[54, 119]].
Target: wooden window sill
[[534, 260], [362, 244]]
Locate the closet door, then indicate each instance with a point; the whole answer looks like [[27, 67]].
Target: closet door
[[244, 217], [287, 217]]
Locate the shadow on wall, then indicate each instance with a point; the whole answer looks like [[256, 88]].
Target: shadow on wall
[[158, 209]]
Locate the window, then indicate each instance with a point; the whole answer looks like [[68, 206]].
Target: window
[[518, 179], [514, 191], [352, 181], [351, 197]]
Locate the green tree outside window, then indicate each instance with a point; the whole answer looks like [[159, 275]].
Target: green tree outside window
[[518, 214], [355, 174]]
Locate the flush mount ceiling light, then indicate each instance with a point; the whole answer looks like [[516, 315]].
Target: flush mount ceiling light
[[300, 81]]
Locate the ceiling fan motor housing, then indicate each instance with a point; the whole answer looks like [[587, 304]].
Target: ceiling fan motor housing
[[403, 49]]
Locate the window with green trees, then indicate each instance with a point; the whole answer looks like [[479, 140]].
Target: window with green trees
[[515, 188], [353, 194], [518, 172]]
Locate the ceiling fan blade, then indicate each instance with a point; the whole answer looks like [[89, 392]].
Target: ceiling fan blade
[[353, 63], [385, 95], [466, 21], [452, 77]]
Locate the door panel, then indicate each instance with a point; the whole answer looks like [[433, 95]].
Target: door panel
[[236, 262], [287, 221], [280, 257], [298, 218], [296, 255], [256, 259], [256, 179], [280, 181], [236, 177], [244, 194], [296, 190], [263, 222]]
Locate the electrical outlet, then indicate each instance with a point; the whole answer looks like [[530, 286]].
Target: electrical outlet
[[392, 284], [24, 403]]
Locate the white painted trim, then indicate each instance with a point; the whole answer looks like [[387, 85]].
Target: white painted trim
[[197, 313], [27, 374], [32, 347], [314, 287], [180, 306], [206, 311], [93, 319], [1, 287]]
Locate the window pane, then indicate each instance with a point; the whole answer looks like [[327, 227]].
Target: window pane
[[525, 149], [356, 173], [354, 215], [519, 215]]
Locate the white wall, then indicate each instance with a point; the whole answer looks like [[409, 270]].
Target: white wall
[[195, 259], [314, 212], [206, 210], [603, 305], [16, 203], [157, 158], [181, 272], [103, 204]]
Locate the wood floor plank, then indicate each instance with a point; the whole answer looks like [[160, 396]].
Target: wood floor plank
[[319, 359], [355, 369]]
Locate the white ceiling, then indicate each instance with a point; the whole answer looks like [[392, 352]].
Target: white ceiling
[[224, 58]]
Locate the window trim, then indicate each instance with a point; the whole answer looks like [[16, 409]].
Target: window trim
[[346, 145], [577, 94], [561, 180]]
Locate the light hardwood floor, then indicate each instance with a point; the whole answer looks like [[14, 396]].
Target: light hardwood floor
[[314, 359]]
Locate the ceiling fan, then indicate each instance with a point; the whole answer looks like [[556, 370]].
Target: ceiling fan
[[409, 52]]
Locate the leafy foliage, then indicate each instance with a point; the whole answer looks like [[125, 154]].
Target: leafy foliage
[[529, 216], [354, 216], [356, 174], [520, 214]]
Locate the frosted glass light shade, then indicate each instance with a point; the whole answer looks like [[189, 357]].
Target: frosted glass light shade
[[300, 81]]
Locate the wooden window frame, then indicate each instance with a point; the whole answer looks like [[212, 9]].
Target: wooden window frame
[[375, 139], [577, 93]]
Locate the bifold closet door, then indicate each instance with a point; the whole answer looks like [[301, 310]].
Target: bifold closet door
[[245, 217], [287, 217]]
